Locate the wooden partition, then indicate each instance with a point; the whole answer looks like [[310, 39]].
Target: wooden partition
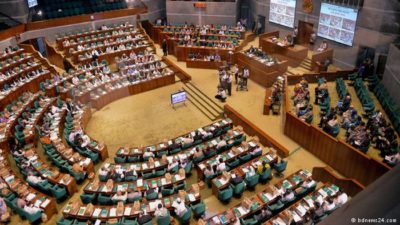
[[313, 77], [294, 54], [320, 57], [326, 174], [185, 77], [251, 129], [341, 156], [54, 57], [266, 35], [260, 73]]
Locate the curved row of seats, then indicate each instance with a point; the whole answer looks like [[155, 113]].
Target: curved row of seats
[[170, 147], [227, 189], [269, 197], [59, 154], [305, 206], [14, 188]]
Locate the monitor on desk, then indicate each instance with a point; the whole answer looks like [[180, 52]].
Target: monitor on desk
[[282, 12], [337, 23]]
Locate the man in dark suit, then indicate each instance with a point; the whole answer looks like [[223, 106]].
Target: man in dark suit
[[144, 218]]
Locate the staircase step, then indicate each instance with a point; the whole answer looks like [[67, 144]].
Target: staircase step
[[202, 102], [215, 105], [198, 103], [206, 105]]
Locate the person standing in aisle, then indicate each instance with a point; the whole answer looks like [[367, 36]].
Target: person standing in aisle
[[164, 46]]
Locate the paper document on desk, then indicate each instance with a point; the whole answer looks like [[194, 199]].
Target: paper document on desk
[[301, 209], [113, 212], [45, 203], [140, 183], [96, 212], [30, 197], [127, 211]]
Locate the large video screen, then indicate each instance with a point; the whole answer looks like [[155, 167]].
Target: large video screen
[[282, 12], [32, 3], [337, 23]]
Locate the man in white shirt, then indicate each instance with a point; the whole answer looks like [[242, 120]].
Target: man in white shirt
[[221, 142], [120, 197], [342, 198], [221, 165], [34, 179], [161, 211], [31, 209], [179, 206]]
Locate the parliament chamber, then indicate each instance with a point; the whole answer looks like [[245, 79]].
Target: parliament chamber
[[214, 112]]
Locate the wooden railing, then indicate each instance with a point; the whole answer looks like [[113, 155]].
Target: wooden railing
[[185, 77], [341, 156], [54, 57], [326, 174], [251, 129]]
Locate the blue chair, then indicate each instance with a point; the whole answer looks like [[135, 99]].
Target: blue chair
[[198, 209], [280, 167], [185, 218], [225, 195], [238, 189], [252, 181], [104, 199], [164, 220], [265, 176], [88, 198]]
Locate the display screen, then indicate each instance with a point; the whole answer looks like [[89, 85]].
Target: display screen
[[178, 97], [282, 12], [32, 3], [337, 23]]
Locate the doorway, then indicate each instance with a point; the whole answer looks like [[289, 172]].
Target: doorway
[[305, 29]]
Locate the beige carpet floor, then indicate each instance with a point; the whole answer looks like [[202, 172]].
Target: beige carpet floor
[[148, 118]]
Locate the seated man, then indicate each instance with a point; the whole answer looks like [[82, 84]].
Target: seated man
[[119, 197], [288, 195], [179, 206], [221, 165], [262, 167], [264, 215], [144, 218], [34, 179], [161, 211]]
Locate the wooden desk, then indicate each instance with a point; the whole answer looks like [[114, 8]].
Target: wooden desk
[[221, 125], [329, 189], [220, 182], [259, 72], [109, 97], [203, 64], [267, 101], [159, 182], [261, 199], [320, 57], [18, 186], [182, 52], [227, 155], [110, 57], [104, 212]]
